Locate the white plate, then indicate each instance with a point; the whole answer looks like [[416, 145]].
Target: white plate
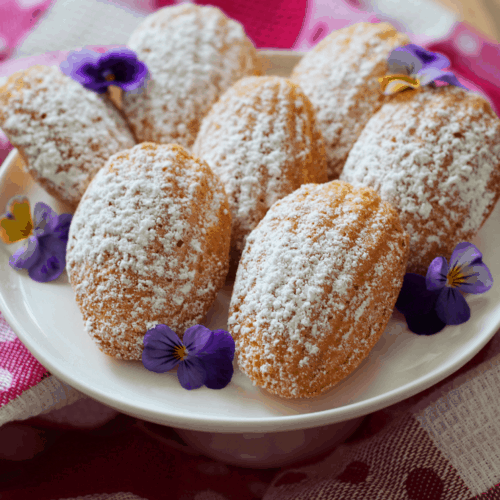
[[48, 321]]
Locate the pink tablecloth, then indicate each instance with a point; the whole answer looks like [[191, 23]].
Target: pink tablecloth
[[443, 444]]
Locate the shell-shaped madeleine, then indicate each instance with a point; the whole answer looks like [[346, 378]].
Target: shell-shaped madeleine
[[435, 156], [315, 288], [148, 244], [64, 132], [193, 54], [261, 139], [340, 77]]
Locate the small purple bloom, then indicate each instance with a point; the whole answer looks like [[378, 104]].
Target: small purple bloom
[[466, 273], [44, 255], [412, 59], [97, 72], [423, 66], [204, 358], [432, 302]]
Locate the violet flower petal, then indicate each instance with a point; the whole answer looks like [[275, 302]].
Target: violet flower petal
[[449, 78], [220, 342], [134, 79], [162, 333], [404, 61], [153, 362], [191, 373], [469, 258], [47, 269], [428, 75], [412, 59], [27, 255], [428, 58], [128, 71], [425, 324], [219, 370], [76, 60], [120, 52], [217, 357], [89, 74], [91, 69], [45, 219], [52, 259], [465, 254], [478, 279], [196, 338], [159, 344], [414, 298], [81, 66], [451, 307], [437, 274], [117, 56], [62, 225]]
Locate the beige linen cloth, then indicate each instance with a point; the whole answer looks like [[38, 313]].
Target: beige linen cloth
[[442, 444]]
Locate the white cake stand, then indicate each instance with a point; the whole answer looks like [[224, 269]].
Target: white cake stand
[[240, 424]]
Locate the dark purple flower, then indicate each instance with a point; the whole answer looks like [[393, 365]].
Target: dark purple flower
[[44, 255], [417, 303], [412, 66], [432, 302], [97, 72], [466, 273], [204, 358]]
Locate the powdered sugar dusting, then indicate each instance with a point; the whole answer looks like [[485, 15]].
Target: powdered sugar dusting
[[137, 252], [340, 77], [65, 132], [436, 158], [261, 140], [193, 54], [317, 273]]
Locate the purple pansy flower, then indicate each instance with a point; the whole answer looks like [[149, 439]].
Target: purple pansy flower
[[204, 358], [97, 71], [44, 254], [466, 273], [432, 302], [412, 66]]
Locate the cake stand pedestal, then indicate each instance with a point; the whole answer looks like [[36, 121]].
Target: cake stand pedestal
[[257, 450]]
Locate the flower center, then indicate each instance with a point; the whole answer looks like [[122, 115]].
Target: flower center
[[26, 232], [395, 83], [109, 76], [180, 352], [455, 277]]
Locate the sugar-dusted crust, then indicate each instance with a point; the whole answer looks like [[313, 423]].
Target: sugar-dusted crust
[[149, 244], [193, 54], [316, 286], [64, 132], [340, 77], [261, 139], [435, 155]]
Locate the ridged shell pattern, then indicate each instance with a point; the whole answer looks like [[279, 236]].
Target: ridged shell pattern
[[149, 244], [435, 156], [193, 54], [64, 132], [315, 288], [261, 139], [340, 77]]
